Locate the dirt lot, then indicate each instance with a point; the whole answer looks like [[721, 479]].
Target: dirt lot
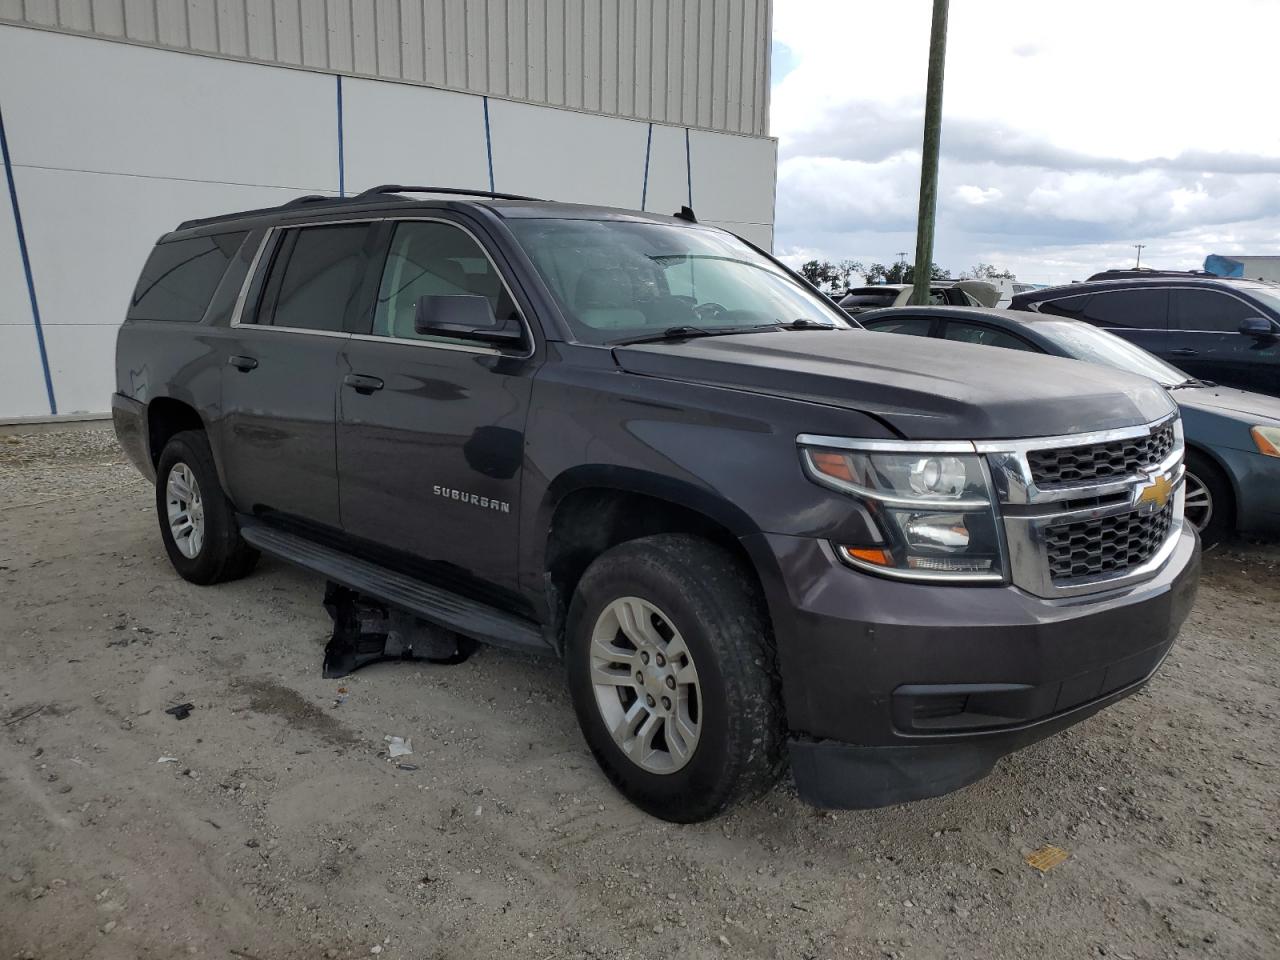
[[280, 830]]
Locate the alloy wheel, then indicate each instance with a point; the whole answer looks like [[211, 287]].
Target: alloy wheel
[[646, 685], [1198, 503], [185, 510]]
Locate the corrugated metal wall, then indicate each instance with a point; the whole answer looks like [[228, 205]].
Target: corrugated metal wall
[[701, 63]]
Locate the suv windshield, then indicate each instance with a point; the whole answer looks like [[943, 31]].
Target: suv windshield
[[1083, 342], [618, 280]]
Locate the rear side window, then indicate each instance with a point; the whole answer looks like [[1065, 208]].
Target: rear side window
[[314, 277], [180, 277], [1071, 307], [983, 335], [911, 326], [1208, 310], [1128, 309]]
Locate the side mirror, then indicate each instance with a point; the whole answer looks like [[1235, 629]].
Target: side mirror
[[467, 317], [1257, 327]]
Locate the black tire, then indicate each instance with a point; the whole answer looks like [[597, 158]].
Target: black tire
[[713, 601], [1221, 521], [223, 555]]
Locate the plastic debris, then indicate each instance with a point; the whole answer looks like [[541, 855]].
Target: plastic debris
[[167, 760], [181, 710], [398, 746], [1046, 858]]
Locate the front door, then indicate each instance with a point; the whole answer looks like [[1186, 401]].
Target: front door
[[1205, 340], [280, 377], [431, 429]]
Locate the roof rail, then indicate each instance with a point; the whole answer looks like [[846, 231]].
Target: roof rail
[[400, 188], [309, 198]]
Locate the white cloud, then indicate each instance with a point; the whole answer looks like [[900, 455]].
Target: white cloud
[[1071, 131]]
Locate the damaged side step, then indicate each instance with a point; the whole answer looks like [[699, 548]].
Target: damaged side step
[[467, 617]]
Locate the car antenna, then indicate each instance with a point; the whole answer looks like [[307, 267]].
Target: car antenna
[[685, 213]]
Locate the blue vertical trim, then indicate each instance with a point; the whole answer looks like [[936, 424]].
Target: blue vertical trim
[[26, 265], [488, 143], [688, 165], [648, 148], [342, 160]]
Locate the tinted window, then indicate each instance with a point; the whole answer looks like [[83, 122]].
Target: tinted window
[[983, 335], [1208, 310], [180, 277], [434, 259], [314, 277], [1066, 307], [1128, 309], [911, 326], [882, 297]]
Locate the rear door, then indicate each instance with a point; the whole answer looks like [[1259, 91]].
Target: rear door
[[431, 429], [1205, 339], [1138, 315], [279, 383]]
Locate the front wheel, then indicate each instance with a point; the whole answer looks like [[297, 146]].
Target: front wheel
[[1209, 505], [671, 670], [197, 523]]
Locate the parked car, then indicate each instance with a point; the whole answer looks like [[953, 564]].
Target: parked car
[[1233, 437], [961, 293], [1224, 331], [642, 445]]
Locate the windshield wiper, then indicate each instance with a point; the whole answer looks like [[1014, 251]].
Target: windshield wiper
[[804, 323], [686, 332]]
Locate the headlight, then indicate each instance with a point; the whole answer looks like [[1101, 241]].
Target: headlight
[[1268, 440], [934, 507]]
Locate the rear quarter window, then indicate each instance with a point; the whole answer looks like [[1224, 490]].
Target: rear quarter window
[[180, 277]]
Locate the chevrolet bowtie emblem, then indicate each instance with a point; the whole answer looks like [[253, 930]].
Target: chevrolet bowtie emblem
[[1156, 494]]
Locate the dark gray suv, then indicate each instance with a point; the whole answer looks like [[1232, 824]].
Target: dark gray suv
[[637, 443]]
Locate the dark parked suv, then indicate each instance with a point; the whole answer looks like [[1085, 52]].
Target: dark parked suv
[[1223, 331], [644, 446]]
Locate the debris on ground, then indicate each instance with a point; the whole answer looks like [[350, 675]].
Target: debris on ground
[[398, 746], [181, 710], [167, 760], [1046, 858]]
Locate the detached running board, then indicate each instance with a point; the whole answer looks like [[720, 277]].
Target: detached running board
[[433, 604]]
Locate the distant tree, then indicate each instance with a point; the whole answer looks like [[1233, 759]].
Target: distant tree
[[821, 273], [986, 271], [902, 273], [847, 270]]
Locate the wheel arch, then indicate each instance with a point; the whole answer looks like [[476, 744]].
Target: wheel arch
[[1218, 463], [589, 510]]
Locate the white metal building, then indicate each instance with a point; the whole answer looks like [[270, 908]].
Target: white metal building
[[120, 118]]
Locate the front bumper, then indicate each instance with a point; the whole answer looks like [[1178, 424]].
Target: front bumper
[[899, 691], [1256, 479]]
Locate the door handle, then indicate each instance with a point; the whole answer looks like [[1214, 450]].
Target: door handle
[[1183, 352], [243, 364], [362, 384]]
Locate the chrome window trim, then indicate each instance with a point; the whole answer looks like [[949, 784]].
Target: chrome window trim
[[1168, 310], [273, 231]]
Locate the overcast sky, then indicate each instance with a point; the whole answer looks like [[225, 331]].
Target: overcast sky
[[1071, 131]]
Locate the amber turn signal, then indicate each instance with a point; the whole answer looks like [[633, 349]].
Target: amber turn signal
[[873, 555]]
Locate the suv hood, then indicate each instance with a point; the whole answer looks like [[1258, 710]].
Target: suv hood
[[1239, 404], [925, 389]]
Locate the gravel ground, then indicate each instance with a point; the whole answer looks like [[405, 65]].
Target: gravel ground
[[280, 830]]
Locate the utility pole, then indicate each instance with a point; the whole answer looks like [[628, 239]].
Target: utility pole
[[929, 154], [1138, 247]]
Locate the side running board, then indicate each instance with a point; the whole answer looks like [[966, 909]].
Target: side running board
[[460, 614]]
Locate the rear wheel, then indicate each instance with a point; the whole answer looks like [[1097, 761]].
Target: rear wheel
[[197, 522], [1210, 504], [671, 669]]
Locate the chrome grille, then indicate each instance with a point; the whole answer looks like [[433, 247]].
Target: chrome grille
[[1111, 460], [1109, 545]]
